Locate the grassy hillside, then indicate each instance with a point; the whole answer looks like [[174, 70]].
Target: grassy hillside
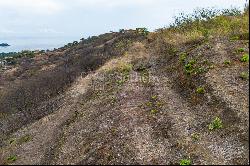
[[178, 95]]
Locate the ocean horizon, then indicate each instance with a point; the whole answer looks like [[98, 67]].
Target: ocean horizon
[[18, 44]]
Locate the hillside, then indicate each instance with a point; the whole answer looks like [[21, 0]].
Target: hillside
[[179, 94]]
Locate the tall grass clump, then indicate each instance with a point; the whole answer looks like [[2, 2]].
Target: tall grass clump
[[205, 23]]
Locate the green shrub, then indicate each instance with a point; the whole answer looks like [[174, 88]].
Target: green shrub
[[189, 69], [200, 90], [240, 50], [12, 158], [245, 58], [234, 37], [231, 12], [149, 104], [215, 124], [143, 31], [192, 62], [200, 70], [205, 33], [227, 62], [185, 162], [183, 57], [154, 97], [195, 136], [154, 111], [12, 141], [28, 54]]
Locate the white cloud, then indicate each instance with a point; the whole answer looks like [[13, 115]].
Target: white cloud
[[7, 31], [113, 3], [49, 30], [34, 6]]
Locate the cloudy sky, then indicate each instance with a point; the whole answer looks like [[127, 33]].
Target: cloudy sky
[[91, 17]]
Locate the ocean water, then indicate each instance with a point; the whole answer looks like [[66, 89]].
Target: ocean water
[[34, 43]]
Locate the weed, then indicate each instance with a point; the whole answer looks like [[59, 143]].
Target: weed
[[143, 31], [154, 97], [12, 158], [185, 162], [200, 90], [211, 67], [192, 62], [183, 57], [234, 37], [200, 70], [244, 75], [154, 111], [124, 69], [189, 68], [215, 124], [158, 104], [195, 136], [227, 62], [240, 50], [144, 76], [205, 33], [149, 104], [245, 58], [12, 141], [120, 82]]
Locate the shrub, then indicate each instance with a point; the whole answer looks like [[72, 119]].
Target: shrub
[[240, 50], [195, 136], [121, 31], [192, 62], [201, 70], [12, 158], [231, 12], [245, 58], [227, 62], [28, 54], [200, 90], [183, 57], [143, 31], [185, 162], [75, 43], [206, 22], [189, 68], [12, 141], [154, 111], [215, 124], [154, 97], [234, 37]]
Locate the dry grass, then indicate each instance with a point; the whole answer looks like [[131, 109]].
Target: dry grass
[[234, 27]]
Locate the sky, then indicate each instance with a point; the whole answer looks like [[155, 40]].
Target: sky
[[83, 18]]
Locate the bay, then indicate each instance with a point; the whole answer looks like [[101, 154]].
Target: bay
[[34, 43]]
